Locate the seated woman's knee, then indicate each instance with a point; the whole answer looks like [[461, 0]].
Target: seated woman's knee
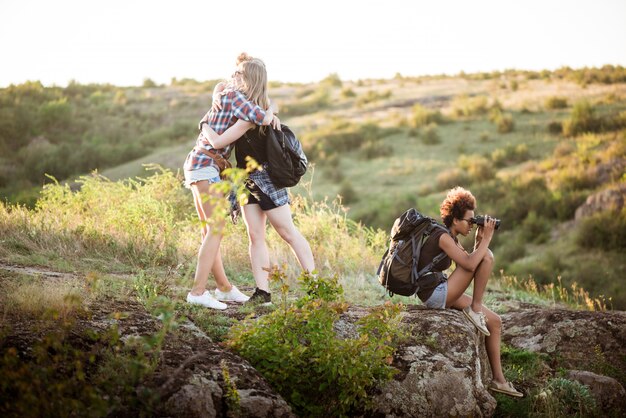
[[489, 257], [494, 321]]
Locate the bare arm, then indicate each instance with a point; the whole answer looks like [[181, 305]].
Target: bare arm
[[217, 96], [468, 261], [229, 136]]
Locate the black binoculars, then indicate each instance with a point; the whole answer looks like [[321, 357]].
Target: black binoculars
[[480, 220]]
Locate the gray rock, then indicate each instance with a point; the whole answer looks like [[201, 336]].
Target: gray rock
[[443, 369], [610, 199], [609, 394]]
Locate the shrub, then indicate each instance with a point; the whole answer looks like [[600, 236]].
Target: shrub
[[555, 102], [505, 123], [564, 398], [299, 353], [477, 167], [347, 192], [430, 136], [510, 154], [555, 128], [422, 116], [332, 80], [348, 93], [469, 106], [452, 177], [581, 120], [372, 96], [535, 228], [605, 230]]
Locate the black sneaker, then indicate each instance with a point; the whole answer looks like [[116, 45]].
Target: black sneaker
[[260, 297]]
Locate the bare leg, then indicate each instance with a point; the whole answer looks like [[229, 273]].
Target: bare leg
[[255, 219], [460, 279], [210, 244], [492, 342], [457, 284], [280, 218]]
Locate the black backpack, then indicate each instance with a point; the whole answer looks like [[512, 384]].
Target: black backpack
[[398, 269], [285, 157]]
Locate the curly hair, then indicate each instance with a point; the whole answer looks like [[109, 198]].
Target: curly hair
[[456, 203]]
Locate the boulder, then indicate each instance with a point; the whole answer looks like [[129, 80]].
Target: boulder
[[609, 199], [197, 378], [443, 368], [574, 339], [609, 394]]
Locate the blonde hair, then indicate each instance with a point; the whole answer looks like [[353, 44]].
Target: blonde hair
[[255, 82]]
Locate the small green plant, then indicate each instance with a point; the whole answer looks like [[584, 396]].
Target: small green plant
[[564, 398], [582, 120], [429, 135], [555, 128], [555, 102], [232, 396], [298, 351]]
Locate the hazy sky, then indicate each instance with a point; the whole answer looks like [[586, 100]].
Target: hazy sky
[[123, 42]]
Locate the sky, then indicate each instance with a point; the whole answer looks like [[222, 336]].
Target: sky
[[125, 42]]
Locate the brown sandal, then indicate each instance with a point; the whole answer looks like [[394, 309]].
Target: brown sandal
[[506, 388]]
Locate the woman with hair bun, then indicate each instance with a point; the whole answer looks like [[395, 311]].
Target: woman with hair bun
[[457, 211], [245, 98]]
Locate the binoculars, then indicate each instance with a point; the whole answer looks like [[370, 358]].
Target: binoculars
[[480, 220]]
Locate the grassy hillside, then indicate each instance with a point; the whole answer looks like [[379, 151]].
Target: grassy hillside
[[531, 146]]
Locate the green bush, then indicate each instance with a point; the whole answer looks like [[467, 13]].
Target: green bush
[[348, 93], [605, 230], [581, 120], [555, 102], [422, 116], [511, 154], [555, 127], [469, 106], [429, 135], [504, 123], [564, 398], [347, 193], [452, 177], [300, 354], [477, 167], [372, 96]]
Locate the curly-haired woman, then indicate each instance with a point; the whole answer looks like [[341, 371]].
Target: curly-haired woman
[[457, 211]]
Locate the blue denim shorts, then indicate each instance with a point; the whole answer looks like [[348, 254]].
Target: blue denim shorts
[[209, 174], [438, 299]]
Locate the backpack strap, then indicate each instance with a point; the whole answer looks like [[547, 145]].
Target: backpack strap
[[438, 258], [430, 265]]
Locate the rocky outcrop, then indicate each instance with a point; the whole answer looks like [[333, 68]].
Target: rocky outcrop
[[609, 394], [610, 199], [443, 368], [197, 378], [582, 339]]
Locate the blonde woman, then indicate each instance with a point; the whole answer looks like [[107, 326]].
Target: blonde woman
[[245, 99], [265, 202]]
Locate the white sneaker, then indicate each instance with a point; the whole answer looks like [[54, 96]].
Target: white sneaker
[[206, 300], [234, 295]]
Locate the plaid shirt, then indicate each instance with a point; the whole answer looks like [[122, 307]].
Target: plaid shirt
[[262, 179], [235, 105]]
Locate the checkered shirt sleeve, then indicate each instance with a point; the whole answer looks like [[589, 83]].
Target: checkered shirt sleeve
[[235, 105], [262, 179]]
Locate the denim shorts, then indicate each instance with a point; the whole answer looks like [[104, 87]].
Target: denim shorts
[[438, 299], [209, 174]]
